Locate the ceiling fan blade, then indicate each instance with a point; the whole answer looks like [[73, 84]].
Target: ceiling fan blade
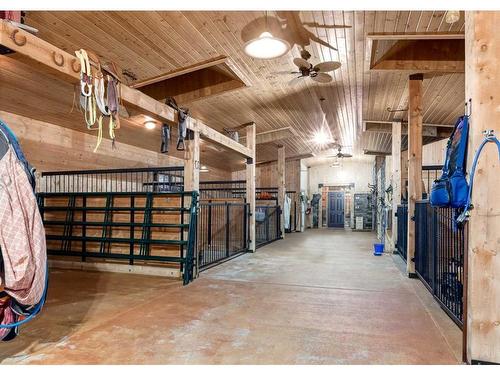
[[301, 63], [294, 81], [346, 156], [327, 66], [285, 72], [322, 78]]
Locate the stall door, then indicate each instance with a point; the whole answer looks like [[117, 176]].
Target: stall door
[[336, 209]]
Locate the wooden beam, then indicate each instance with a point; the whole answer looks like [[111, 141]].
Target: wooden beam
[[274, 135], [376, 153], [415, 36], [396, 178], [289, 158], [192, 157], [194, 86], [429, 130], [250, 184], [222, 140], [46, 54], [281, 186], [482, 262], [415, 112], [434, 56], [178, 72], [42, 52]]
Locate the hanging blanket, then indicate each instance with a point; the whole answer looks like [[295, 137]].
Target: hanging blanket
[[22, 236]]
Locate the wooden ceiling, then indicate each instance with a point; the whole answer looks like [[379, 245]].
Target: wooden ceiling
[[149, 44]]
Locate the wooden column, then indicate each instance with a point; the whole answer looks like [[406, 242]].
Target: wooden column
[[414, 162], [192, 160], [250, 185], [396, 178], [482, 82], [281, 185]]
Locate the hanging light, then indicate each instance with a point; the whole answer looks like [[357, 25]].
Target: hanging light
[[321, 138], [266, 46], [452, 16]]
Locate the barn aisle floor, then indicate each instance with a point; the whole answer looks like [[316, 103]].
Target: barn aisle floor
[[319, 297]]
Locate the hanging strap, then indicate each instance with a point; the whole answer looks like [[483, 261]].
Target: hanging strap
[[489, 136], [37, 308]]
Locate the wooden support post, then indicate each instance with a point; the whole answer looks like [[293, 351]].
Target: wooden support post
[[250, 185], [192, 174], [192, 159], [482, 79], [281, 186], [414, 162], [396, 178]]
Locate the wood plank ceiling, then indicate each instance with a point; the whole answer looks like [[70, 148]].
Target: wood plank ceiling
[[147, 44]]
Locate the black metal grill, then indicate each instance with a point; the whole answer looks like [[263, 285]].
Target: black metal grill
[[222, 232], [440, 256], [402, 243], [267, 225], [130, 180]]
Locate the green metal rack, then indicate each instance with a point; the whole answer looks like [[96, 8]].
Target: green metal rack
[[106, 239]]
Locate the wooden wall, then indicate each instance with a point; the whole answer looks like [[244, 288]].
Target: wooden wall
[[266, 175], [50, 147]]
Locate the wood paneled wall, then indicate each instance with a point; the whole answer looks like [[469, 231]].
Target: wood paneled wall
[[266, 175], [50, 147]]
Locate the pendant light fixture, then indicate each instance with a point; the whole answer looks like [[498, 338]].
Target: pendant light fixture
[[266, 46]]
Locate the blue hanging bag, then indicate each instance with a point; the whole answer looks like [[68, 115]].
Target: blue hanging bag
[[451, 189]]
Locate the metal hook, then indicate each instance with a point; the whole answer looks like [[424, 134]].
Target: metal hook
[[20, 43], [75, 65], [390, 110], [468, 108], [55, 59]]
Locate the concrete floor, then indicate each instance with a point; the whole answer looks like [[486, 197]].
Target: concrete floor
[[318, 297]]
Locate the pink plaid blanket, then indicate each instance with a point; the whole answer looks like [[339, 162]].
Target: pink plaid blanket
[[22, 236]]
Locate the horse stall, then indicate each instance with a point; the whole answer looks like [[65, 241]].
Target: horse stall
[[120, 220]]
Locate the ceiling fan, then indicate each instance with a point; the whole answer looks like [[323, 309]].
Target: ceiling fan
[[318, 72], [340, 154]]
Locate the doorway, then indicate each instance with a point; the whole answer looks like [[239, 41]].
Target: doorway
[[336, 209]]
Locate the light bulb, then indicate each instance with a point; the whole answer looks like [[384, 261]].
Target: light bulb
[[150, 125], [266, 46]]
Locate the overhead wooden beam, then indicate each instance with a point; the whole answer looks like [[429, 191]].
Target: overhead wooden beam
[[250, 184], [429, 130], [415, 145], [415, 36], [289, 158], [482, 261], [195, 85], [66, 67], [224, 141], [178, 72], [376, 153], [274, 135], [426, 56], [50, 56]]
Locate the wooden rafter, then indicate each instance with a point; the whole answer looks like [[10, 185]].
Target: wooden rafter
[[418, 52], [429, 130], [67, 67]]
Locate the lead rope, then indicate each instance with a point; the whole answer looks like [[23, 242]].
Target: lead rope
[[489, 136], [87, 100]]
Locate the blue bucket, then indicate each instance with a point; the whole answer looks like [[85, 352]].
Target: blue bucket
[[378, 249]]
